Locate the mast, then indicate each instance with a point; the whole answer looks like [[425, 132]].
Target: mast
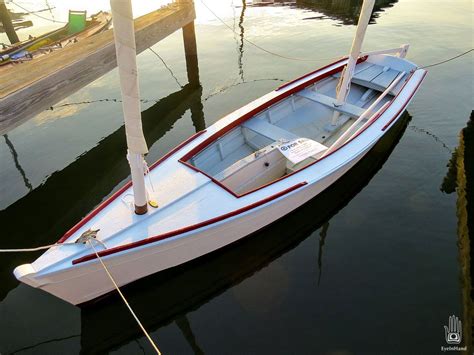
[[345, 81], [125, 50]]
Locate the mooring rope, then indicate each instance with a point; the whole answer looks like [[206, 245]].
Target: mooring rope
[[90, 240], [125, 300], [447, 60], [35, 248], [432, 135], [225, 88], [167, 67]]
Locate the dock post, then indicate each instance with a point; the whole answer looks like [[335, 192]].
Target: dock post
[[190, 50], [7, 23]]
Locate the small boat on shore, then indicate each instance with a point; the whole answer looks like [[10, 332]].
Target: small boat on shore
[[239, 175], [52, 41]]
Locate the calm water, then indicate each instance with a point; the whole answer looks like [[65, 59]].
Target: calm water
[[370, 266]]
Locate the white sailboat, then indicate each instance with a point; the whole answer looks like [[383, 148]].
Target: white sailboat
[[247, 170]]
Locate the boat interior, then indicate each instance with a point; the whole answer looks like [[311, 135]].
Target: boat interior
[[247, 157]]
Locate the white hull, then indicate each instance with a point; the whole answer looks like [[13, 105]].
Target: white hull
[[79, 286], [73, 274]]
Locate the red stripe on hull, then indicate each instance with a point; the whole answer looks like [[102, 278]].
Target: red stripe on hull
[[189, 228]]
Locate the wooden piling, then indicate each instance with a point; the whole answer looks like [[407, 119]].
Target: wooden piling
[[190, 51], [7, 23]]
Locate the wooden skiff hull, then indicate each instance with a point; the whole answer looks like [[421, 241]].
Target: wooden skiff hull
[[77, 276]]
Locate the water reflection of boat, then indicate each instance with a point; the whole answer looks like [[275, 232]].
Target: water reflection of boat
[[460, 179], [104, 324], [345, 11], [90, 187]]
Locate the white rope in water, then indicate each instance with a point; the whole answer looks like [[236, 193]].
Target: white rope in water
[[125, 300]]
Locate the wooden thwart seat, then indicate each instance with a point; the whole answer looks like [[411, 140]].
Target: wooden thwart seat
[[268, 130], [345, 108]]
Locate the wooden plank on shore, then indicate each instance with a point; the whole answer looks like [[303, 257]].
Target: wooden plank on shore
[[27, 89]]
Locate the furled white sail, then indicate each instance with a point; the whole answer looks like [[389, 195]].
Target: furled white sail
[[125, 49], [124, 34]]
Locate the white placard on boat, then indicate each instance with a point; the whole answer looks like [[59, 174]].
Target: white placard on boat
[[300, 149]]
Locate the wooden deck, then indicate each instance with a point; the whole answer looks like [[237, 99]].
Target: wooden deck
[[27, 89]]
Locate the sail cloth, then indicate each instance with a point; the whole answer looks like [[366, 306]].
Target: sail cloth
[[125, 50]]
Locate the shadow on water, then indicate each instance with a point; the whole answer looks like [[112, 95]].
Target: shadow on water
[[344, 11], [460, 179], [105, 325], [76, 189]]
